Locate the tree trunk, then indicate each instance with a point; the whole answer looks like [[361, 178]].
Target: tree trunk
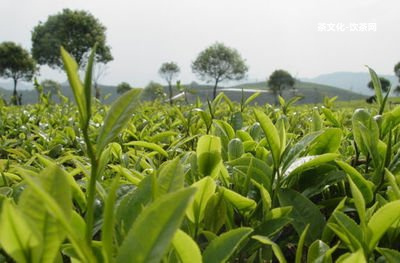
[[97, 91], [15, 94], [215, 89], [170, 92]]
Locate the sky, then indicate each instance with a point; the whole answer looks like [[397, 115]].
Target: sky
[[305, 37]]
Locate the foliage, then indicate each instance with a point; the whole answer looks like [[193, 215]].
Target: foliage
[[280, 80], [123, 87], [218, 63], [385, 84], [77, 31], [153, 91], [16, 63], [169, 71], [219, 182]]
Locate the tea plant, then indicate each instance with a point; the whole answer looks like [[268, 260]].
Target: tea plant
[[211, 182]]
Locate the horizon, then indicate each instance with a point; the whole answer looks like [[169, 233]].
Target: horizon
[[268, 34]]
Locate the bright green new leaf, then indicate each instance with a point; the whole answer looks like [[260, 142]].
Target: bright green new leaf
[[381, 221], [170, 177], [186, 248], [205, 189], [117, 117], [240, 202], [208, 154], [148, 145], [271, 134]]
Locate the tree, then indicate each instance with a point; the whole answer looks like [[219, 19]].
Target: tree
[[397, 72], [50, 86], [16, 63], [218, 63], [123, 87], [169, 71], [76, 31], [153, 91], [278, 81], [99, 70]]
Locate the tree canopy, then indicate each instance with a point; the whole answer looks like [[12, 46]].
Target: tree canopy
[[16, 63], [169, 71], [218, 63], [123, 87], [77, 31], [278, 81]]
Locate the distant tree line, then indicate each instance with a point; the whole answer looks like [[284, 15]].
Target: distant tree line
[[78, 31]]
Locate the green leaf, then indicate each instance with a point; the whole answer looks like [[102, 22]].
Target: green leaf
[[208, 154], [354, 235], [107, 231], [117, 117], [358, 201], [251, 98], [277, 250], [240, 202], [391, 256], [330, 117], [300, 244], [186, 248], [88, 79], [54, 181], [215, 213], [381, 221], [205, 189], [304, 163], [356, 257], [235, 149], [72, 68], [304, 212], [170, 177], [317, 251], [328, 142], [271, 134], [151, 234], [132, 204], [148, 145], [362, 184], [221, 248], [17, 237], [377, 85]]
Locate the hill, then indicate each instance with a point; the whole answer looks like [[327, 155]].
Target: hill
[[353, 81], [312, 92]]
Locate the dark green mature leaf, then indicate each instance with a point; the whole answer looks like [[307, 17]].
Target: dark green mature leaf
[[118, 116], [362, 184], [392, 256], [151, 234], [304, 212], [277, 250], [222, 247]]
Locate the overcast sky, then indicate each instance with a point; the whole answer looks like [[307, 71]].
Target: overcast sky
[[270, 34]]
